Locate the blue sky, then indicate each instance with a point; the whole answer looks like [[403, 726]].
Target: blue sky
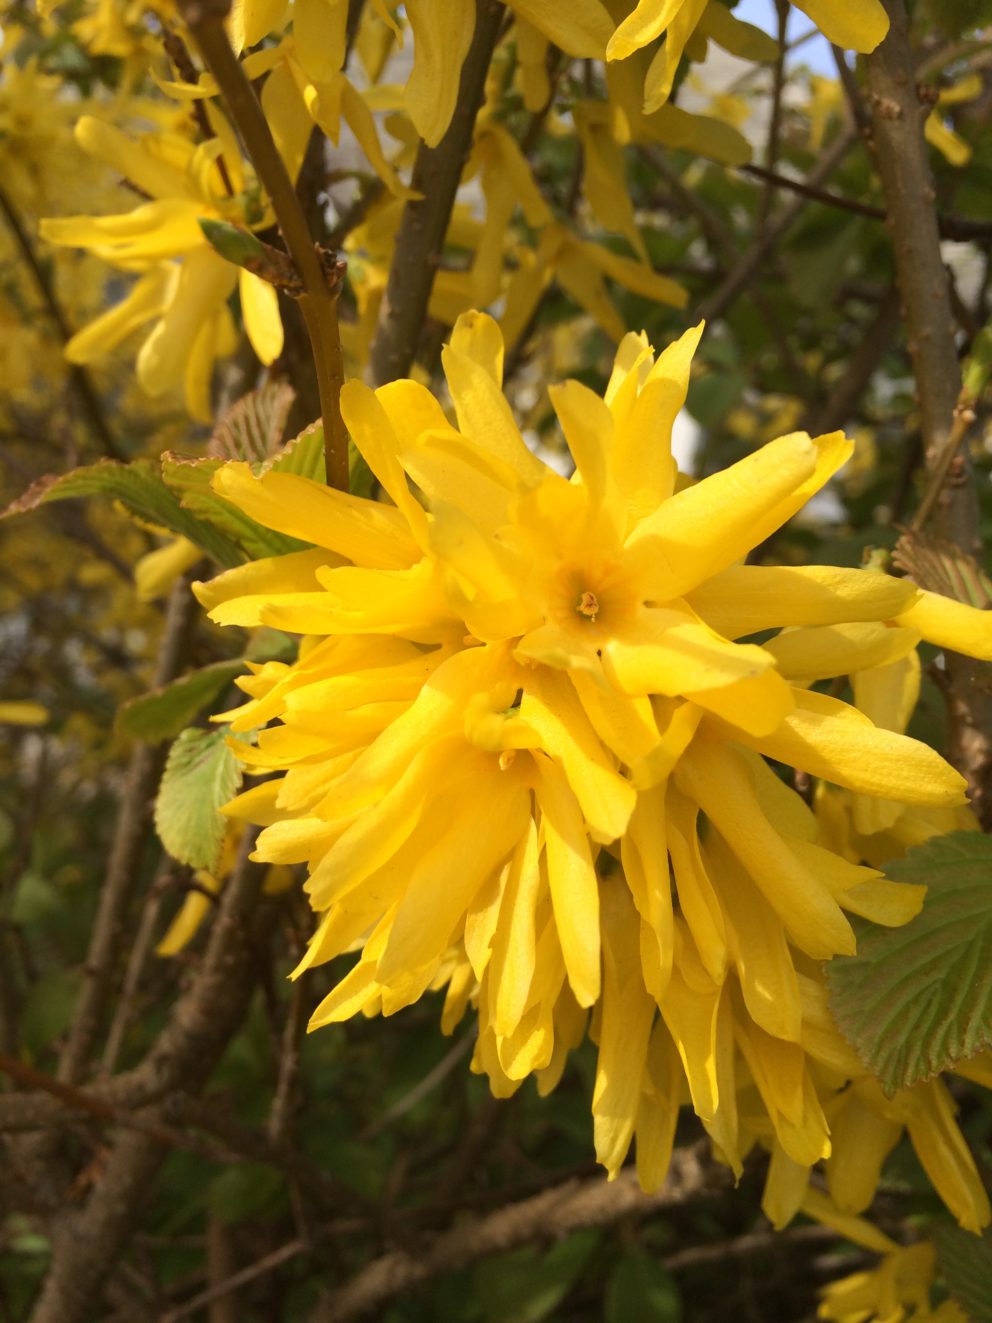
[[815, 53]]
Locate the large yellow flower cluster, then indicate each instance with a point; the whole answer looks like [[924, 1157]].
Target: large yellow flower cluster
[[527, 757]]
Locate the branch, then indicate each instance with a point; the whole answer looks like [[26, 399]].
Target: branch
[[721, 300], [950, 227], [900, 151], [88, 1242], [549, 1215], [419, 243], [130, 838], [205, 19], [80, 378]]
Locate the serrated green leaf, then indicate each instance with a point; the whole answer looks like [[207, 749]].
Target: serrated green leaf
[[303, 455], [163, 713], [140, 489], [201, 775], [966, 1266], [641, 1288], [524, 1286], [252, 428], [941, 567], [918, 999], [189, 479]]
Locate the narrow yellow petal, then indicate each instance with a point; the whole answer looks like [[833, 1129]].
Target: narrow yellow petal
[[442, 33], [822, 652], [950, 624], [721, 785], [573, 882], [260, 309], [360, 530], [857, 25], [833, 740], [745, 599], [581, 27]]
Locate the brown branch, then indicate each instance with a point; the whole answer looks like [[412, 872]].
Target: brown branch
[[950, 227], [722, 298], [88, 1242], [268, 1263], [130, 838], [549, 1215], [318, 304], [420, 241], [80, 378], [900, 151]]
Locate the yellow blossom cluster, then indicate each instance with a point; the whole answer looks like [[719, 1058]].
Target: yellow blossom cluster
[[527, 753]]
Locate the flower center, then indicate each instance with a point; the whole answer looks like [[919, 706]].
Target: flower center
[[588, 605]]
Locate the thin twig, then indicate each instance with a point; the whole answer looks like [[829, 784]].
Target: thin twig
[[547, 1216], [419, 243], [900, 151], [268, 1263], [950, 227], [80, 378], [88, 1242], [722, 298], [130, 839], [318, 304]]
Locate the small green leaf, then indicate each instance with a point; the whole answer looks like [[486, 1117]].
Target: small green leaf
[[232, 242], [303, 455], [140, 489], [966, 1266], [941, 567], [201, 774], [640, 1288], [918, 999], [246, 1191], [163, 713], [252, 428], [524, 1286]]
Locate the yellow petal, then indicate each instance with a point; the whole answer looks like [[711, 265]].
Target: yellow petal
[[442, 33], [659, 1110], [644, 854], [822, 652], [573, 882], [23, 714], [370, 429], [662, 652], [205, 283], [319, 28], [148, 297], [288, 117], [485, 417], [833, 740], [705, 528], [625, 1027], [745, 599], [260, 309], [648, 20], [581, 27], [722, 786], [132, 159], [857, 25], [515, 940], [950, 624], [363, 531]]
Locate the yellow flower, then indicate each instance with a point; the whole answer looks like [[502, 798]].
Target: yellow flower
[[854, 24], [514, 684], [186, 299], [898, 1288]]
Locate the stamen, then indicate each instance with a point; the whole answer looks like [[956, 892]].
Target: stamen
[[506, 759], [588, 605]]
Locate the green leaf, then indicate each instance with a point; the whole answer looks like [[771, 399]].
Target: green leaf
[[140, 489], [246, 1191], [162, 713], [640, 1288], [941, 567], [918, 999], [201, 774], [525, 1285], [304, 455], [252, 428], [966, 1265]]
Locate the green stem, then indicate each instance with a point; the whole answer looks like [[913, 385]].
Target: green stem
[[318, 304]]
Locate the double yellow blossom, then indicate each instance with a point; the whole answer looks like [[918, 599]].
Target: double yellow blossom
[[183, 285], [519, 696]]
